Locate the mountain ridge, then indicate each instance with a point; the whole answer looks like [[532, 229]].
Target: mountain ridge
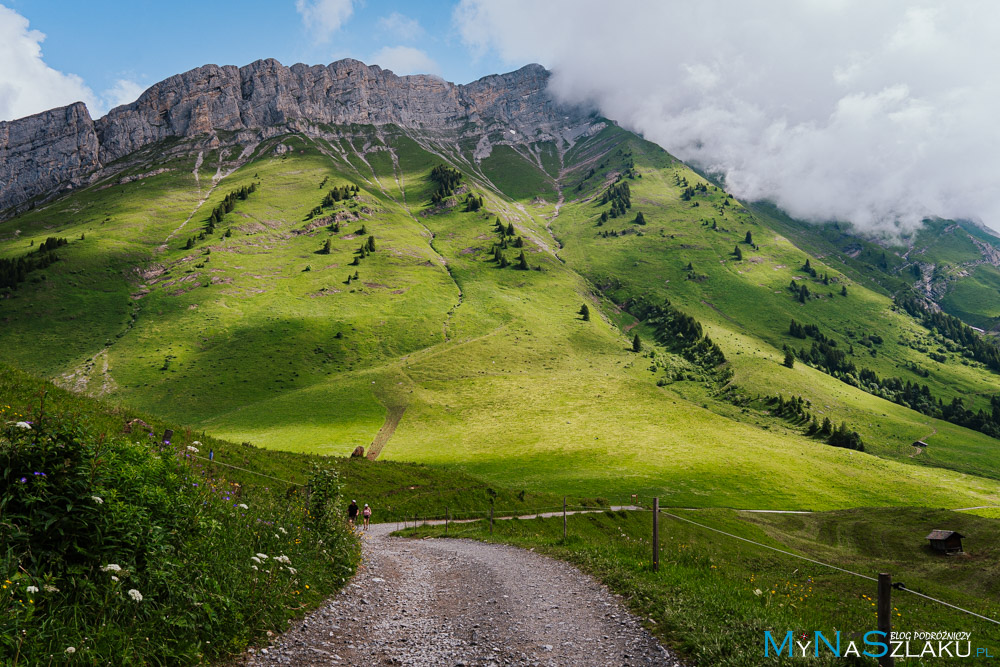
[[65, 148]]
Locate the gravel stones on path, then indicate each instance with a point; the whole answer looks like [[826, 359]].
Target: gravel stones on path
[[462, 602]]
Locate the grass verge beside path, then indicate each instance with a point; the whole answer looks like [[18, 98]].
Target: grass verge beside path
[[714, 597]]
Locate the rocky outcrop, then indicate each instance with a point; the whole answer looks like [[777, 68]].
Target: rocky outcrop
[[52, 150], [63, 147]]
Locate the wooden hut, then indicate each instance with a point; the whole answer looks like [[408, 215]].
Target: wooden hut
[[946, 541], [920, 443]]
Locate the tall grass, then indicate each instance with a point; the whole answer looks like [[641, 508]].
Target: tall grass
[[125, 550]]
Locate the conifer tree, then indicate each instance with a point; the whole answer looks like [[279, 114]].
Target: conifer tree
[[522, 262], [585, 313], [326, 248], [749, 238], [371, 244], [636, 344], [789, 359], [738, 253], [843, 291]]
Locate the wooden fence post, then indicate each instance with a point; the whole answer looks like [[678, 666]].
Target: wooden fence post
[[491, 519], [885, 615], [656, 534], [564, 517]]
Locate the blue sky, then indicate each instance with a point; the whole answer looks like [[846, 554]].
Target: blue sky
[[119, 48]]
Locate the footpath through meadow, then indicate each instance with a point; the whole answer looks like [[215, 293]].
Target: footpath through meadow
[[462, 602]]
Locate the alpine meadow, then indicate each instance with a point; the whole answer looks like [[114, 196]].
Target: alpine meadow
[[505, 300]]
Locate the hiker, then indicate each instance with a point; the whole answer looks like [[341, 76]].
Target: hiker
[[352, 513], [367, 514]]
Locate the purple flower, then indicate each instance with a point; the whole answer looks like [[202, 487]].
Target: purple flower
[[24, 480], [41, 473]]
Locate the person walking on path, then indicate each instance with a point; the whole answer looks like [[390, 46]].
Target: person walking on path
[[367, 514], [352, 513]]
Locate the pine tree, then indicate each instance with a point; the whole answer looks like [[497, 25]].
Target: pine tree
[[636, 344], [371, 244], [789, 359], [510, 229], [585, 313], [738, 253], [522, 262], [326, 247], [519, 242], [640, 219], [189, 244], [843, 291], [749, 238]]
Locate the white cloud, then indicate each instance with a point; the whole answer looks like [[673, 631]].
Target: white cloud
[[881, 113], [404, 60], [27, 84], [123, 92], [324, 17], [401, 27]]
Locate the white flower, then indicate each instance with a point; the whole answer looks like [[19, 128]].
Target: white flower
[[196, 443], [32, 589], [49, 588], [97, 500], [135, 595], [192, 449], [254, 567], [292, 570], [255, 559], [262, 556], [71, 650], [283, 531], [111, 567], [243, 506], [114, 578], [23, 425], [757, 591], [283, 559], [276, 536]]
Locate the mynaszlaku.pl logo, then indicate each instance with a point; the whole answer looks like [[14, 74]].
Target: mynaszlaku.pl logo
[[874, 644]]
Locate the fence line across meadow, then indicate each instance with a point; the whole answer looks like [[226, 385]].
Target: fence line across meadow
[[472, 516]]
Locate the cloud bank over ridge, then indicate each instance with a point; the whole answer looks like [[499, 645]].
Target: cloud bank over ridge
[[877, 113]]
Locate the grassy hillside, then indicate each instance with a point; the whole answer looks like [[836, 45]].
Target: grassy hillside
[[257, 333]]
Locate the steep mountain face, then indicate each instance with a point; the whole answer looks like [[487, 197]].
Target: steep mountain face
[[64, 146], [45, 152]]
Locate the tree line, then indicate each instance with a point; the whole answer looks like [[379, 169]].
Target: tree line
[[447, 179], [975, 345], [14, 271]]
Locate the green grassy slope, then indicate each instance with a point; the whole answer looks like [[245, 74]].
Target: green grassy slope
[[496, 372]]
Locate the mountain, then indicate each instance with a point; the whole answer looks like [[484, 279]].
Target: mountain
[[64, 148], [314, 258]]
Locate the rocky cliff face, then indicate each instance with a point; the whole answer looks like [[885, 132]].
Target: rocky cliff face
[[64, 146], [52, 150]]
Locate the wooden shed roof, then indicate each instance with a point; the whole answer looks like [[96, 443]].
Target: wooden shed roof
[[943, 534]]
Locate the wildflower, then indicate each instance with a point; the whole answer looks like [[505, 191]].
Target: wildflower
[[111, 567], [192, 449], [262, 556], [49, 588], [243, 506], [757, 591], [40, 474], [283, 559], [71, 650], [254, 568], [135, 595], [23, 480], [283, 531], [114, 578], [255, 559], [32, 589], [97, 500], [196, 443], [23, 425], [292, 570]]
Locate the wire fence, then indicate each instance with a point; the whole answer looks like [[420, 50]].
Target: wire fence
[[467, 521]]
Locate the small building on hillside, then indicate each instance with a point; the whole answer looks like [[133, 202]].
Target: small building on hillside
[[920, 443], [946, 541]]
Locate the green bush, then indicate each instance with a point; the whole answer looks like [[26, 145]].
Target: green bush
[[123, 550]]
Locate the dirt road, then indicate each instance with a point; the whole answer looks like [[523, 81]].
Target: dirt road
[[461, 602]]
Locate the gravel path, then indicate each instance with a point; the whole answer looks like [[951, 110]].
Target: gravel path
[[461, 602]]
